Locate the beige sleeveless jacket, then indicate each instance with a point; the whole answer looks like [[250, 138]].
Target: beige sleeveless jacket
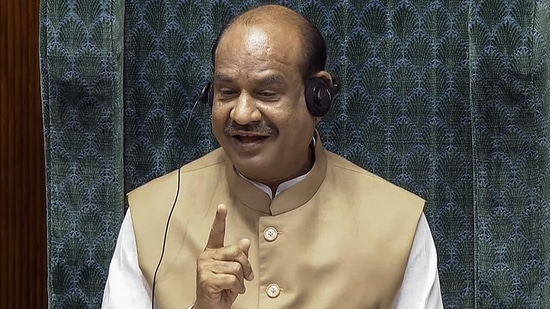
[[338, 239]]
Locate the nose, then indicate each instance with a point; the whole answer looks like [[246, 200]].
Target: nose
[[245, 110]]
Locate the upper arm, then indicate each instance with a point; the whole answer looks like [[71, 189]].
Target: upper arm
[[126, 286], [420, 288]]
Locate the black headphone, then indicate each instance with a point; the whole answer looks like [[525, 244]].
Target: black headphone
[[318, 94]]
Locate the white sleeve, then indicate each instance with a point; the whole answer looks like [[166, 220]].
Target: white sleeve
[[126, 286], [420, 288]]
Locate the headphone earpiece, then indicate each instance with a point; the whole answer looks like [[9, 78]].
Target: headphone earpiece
[[319, 96], [207, 95]]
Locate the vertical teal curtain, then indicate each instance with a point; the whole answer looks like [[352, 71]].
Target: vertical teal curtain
[[81, 55], [449, 99], [509, 44]]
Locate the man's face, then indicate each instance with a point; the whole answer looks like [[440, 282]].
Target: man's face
[[259, 115]]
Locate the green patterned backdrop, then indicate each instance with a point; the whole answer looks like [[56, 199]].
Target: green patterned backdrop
[[449, 99]]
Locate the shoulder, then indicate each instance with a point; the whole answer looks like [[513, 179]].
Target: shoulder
[[358, 180]]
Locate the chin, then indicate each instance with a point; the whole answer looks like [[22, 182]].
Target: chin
[[251, 168], [248, 165]]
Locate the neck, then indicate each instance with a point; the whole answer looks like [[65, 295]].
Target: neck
[[304, 168]]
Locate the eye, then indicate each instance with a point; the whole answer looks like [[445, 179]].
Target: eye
[[267, 94], [227, 92]]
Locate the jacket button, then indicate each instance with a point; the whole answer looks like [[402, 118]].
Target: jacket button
[[270, 234], [273, 290]]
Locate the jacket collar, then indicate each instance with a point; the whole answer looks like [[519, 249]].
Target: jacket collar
[[295, 196]]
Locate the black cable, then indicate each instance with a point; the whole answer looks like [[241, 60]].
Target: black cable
[[165, 237], [164, 241]]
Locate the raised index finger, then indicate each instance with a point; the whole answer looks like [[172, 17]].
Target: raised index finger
[[217, 233]]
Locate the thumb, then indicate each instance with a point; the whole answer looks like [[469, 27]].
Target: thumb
[[244, 245]]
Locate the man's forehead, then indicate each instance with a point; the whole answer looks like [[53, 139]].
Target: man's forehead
[[253, 39], [256, 38], [259, 35], [258, 41]]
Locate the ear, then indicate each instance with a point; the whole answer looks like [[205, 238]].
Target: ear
[[328, 79], [326, 76]]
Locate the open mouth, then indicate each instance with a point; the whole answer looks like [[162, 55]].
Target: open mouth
[[250, 138]]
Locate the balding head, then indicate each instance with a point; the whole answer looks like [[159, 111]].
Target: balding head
[[311, 45], [272, 13]]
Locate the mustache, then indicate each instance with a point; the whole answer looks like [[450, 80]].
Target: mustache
[[260, 127]]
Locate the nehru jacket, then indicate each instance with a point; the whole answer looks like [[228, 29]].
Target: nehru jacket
[[340, 238]]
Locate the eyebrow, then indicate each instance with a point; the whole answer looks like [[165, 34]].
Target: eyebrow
[[268, 80], [272, 79], [222, 78]]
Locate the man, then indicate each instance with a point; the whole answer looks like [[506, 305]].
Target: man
[[272, 219]]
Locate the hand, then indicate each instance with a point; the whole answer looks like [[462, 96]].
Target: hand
[[221, 270]]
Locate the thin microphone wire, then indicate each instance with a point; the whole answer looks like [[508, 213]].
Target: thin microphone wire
[[164, 242], [165, 237]]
